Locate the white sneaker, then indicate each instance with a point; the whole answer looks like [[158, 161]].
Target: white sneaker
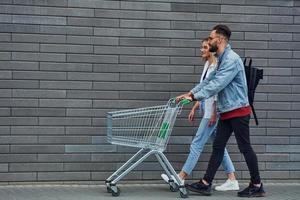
[[228, 185], [166, 178]]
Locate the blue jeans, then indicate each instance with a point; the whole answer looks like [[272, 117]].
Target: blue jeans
[[204, 133]]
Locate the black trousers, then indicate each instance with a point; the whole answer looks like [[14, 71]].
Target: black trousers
[[240, 127]]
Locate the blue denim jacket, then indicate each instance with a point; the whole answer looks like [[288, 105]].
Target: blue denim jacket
[[228, 81]]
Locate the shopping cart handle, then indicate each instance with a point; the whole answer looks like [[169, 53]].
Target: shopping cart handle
[[182, 102], [185, 102]]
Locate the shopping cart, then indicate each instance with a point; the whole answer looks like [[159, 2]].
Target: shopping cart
[[149, 129]]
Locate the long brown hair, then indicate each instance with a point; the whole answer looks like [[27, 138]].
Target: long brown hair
[[214, 59]]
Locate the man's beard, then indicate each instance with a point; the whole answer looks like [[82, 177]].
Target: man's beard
[[213, 48]]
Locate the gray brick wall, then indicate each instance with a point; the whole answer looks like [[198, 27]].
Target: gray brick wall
[[65, 63]]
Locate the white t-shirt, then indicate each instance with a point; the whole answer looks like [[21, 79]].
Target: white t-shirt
[[208, 103]]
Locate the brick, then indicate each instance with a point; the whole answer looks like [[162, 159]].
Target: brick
[[143, 42], [5, 75], [19, 65], [28, 167], [5, 37], [38, 56], [145, 78], [65, 85], [64, 157], [5, 18], [66, 11], [5, 56], [42, 2], [26, 19], [271, 3], [37, 130], [65, 103], [64, 140], [283, 165], [283, 114], [282, 131], [118, 86], [92, 40], [186, 7], [39, 75], [85, 130], [38, 93], [170, 51], [87, 112], [171, 15], [168, 87], [269, 36], [18, 121], [144, 59], [161, 69], [4, 130], [91, 58], [19, 28], [16, 158], [144, 24], [269, 54], [170, 34], [18, 139], [97, 22], [119, 32], [59, 48], [62, 121], [19, 47], [29, 176], [245, 9], [48, 66], [144, 95], [119, 50], [16, 37], [283, 148], [90, 148], [118, 68], [38, 112], [82, 94], [133, 175], [66, 30], [37, 149], [63, 176], [185, 43], [145, 6], [93, 4], [120, 14], [294, 157], [185, 60], [3, 167], [125, 104], [185, 78]]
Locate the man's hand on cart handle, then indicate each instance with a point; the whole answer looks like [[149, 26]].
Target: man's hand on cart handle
[[188, 96]]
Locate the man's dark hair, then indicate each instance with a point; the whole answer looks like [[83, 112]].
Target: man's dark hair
[[223, 30]]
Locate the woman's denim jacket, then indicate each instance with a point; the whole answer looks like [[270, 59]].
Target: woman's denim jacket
[[228, 81]]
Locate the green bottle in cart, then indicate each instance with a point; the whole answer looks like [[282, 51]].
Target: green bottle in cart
[[163, 130]]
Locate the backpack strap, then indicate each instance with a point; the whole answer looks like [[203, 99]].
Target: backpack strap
[[251, 83]]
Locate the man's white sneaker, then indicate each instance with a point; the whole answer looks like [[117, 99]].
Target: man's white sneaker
[[228, 185], [166, 178]]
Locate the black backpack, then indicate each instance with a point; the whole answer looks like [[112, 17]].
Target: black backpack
[[253, 75]]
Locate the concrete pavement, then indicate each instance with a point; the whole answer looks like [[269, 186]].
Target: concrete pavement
[[280, 191]]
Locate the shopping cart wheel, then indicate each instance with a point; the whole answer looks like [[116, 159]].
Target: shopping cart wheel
[[184, 194], [115, 191], [108, 189], [173, 187]]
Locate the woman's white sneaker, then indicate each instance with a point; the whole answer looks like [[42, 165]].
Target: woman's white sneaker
[[166, 178], [228, 185]]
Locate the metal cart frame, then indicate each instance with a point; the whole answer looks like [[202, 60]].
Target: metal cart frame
[[149, 129]]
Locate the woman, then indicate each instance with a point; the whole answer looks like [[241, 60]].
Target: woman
[[206, 129]]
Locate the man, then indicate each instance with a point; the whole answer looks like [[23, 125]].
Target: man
[[229, 82]]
